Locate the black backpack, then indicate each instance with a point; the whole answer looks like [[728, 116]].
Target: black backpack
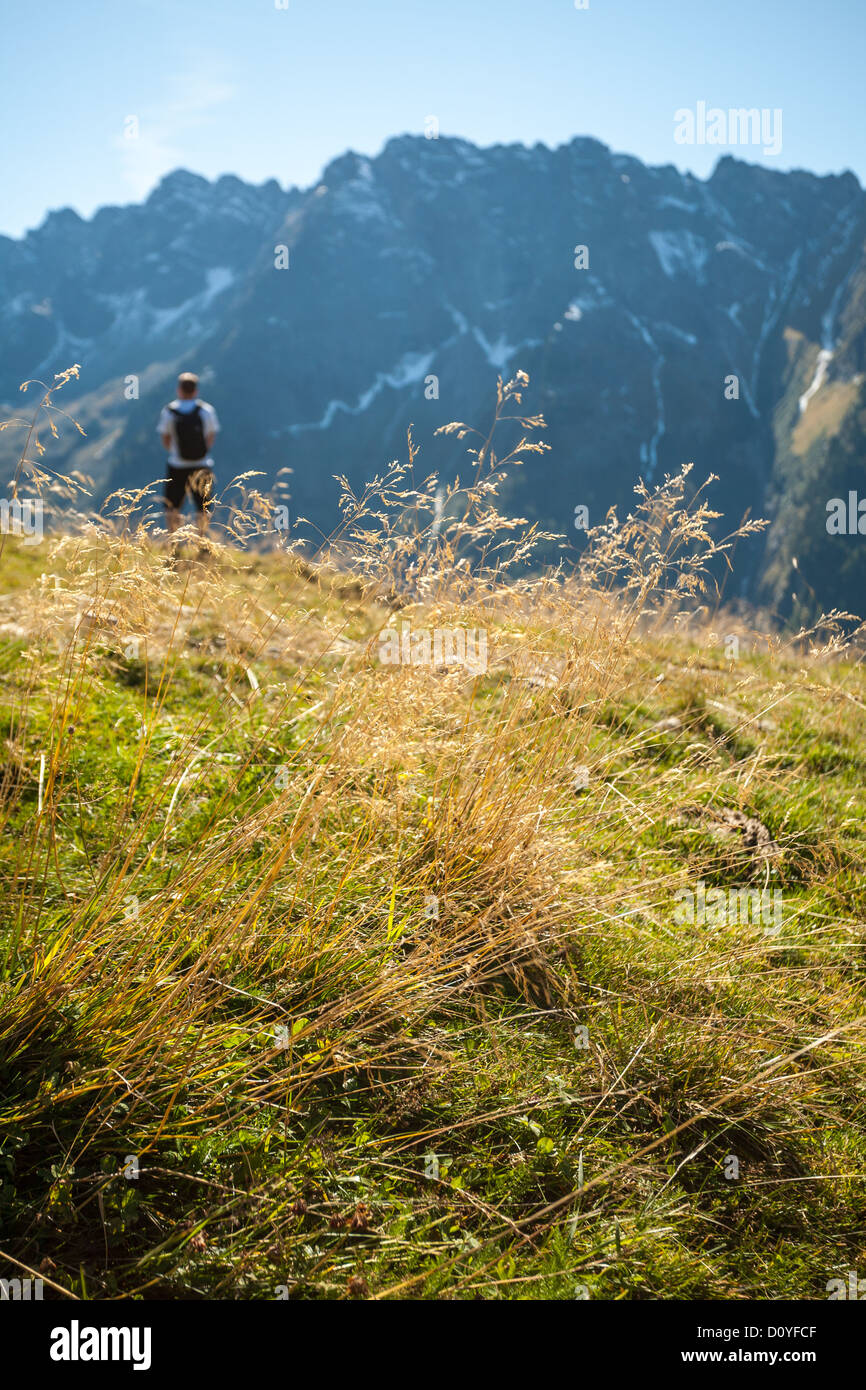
[[189, 433]]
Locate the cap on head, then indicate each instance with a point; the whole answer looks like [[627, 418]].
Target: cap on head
[[187, 384]]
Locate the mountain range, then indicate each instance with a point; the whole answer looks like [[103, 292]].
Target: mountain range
[[662, 319]]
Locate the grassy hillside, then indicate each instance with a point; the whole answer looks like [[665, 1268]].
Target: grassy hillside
[[325, 976]]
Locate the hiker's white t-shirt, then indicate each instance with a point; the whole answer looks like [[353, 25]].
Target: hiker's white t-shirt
[[210, 424]]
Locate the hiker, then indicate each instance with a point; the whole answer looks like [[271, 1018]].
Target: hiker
[[187, 429]]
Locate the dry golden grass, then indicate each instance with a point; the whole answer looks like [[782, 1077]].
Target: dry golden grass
[[286, 920]]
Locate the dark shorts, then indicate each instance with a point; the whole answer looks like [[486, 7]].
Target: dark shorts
[[194, 482]]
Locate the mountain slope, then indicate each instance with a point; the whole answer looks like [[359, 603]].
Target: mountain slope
[[415, 277]]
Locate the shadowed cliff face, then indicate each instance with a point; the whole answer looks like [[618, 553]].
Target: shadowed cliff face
[[662, 320]]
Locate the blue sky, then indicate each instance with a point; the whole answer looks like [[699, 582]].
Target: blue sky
[[245, 87]]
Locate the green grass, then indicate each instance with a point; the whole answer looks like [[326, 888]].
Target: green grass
[[267, 1170], [322, 977]]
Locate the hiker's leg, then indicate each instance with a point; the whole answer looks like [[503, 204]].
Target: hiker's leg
[[174, 490]]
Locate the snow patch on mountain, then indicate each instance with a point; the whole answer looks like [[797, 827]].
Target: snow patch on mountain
[[65, 344], [359, 199], [825, 357], [411, 369], [500, 353], [668, 202], [680, 253], [132, 310], [680, 333], [828, 346], [649, 452]]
